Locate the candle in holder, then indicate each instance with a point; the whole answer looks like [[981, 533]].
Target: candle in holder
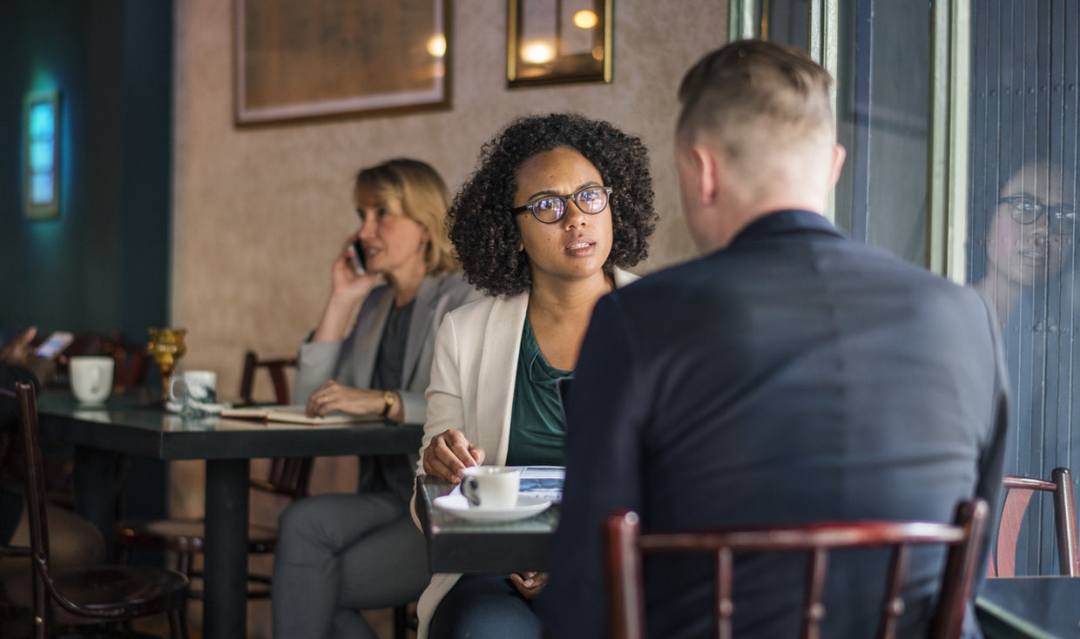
[[166, 346]]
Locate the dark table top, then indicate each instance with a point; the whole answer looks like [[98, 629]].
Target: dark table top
[[136, 426], [456, 545], [1029, 607]]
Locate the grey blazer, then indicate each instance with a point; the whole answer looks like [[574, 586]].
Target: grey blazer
[[352, 361]]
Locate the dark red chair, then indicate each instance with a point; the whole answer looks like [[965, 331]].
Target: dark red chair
[[187, 537], [92, 594], [626, 544], [1018, 494]]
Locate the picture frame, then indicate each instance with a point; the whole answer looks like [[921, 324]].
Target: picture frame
[[295, 59], [559, 41], [41, 155]]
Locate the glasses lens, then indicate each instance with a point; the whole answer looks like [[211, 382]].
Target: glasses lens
[[1024, 210], [1062, 220], [592, 199], [548, 209]]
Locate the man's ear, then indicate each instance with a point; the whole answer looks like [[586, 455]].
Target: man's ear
[[839, 153], [706, 166]]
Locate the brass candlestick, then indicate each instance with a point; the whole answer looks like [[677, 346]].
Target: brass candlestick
[[166, 346]]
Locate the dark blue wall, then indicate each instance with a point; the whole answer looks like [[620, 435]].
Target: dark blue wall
[[103, 264]]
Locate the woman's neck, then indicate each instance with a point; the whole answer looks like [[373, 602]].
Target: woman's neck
[[1000, 292], [562, 300], [406, 280]]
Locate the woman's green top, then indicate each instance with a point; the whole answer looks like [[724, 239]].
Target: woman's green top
[[537, 421]]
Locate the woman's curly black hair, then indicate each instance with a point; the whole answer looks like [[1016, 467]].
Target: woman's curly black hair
[[483, 230]]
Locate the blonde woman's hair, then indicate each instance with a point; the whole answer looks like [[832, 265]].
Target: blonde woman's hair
[[414, 189]]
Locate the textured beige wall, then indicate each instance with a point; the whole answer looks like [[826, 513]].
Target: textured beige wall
[[260, 212]]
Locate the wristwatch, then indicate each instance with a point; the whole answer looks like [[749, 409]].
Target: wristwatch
[[390, 397]]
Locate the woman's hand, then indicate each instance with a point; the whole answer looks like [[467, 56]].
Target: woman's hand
[[346, 285], [448, 455], [529, 584], [347, 290], [332, 396]]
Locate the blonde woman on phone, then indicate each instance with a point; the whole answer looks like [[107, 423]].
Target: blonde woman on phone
[[338, 554]]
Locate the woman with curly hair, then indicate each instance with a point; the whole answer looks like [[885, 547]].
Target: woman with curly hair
[[558, 206]]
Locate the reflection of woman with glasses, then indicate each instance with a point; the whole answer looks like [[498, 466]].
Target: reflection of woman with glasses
[[558, 204], [1029, 237]]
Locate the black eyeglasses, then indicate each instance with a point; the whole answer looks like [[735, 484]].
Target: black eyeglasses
[[1024, 209], [549, 209]]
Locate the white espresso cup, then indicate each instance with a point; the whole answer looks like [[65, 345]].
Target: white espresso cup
[[194, 387], [491, 486], [91, 378]]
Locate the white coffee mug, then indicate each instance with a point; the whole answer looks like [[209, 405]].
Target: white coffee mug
[[195, 386], [91, 378], [491, 486]]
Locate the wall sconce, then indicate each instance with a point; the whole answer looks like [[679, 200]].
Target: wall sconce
[[41, 155]]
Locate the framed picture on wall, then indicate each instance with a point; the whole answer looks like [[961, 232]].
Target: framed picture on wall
[[300, 59], [557, 41]]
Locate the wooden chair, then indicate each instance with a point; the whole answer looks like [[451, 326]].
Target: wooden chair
[[187, 537], [91, 594], [1018, 494], [275, 367], [626, 544]]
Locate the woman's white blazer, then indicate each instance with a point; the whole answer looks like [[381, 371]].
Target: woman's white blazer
[[472, 389]]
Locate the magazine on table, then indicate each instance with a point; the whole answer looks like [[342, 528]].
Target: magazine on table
[[545, 482]]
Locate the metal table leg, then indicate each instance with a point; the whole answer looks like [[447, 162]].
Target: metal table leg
[[96, 490], [227, 482]]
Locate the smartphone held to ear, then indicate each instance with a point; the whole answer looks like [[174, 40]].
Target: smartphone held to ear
[[356, 256]]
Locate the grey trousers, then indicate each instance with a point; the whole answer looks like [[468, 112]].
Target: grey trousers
[[339, 554]]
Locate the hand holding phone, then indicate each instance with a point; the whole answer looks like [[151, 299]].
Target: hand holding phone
[[55, 345]]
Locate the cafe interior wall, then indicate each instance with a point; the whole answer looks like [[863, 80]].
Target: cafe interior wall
[[260, 212]]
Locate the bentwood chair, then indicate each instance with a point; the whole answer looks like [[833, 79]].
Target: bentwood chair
[[1018, 494], [187, 537], [107, 595], [626, 544]]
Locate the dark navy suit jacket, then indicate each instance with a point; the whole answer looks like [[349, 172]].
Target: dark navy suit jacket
[[794, 376]]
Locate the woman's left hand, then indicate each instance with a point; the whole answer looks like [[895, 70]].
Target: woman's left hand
[[529, 584], [332, 396]]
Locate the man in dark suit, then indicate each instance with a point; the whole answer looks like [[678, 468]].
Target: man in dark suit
[[789, 375]]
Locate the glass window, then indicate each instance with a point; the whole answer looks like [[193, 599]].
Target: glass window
[[1021, 231]]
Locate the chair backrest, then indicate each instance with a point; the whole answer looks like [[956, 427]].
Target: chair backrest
[[1018, 494], [288, 476], [276, 368], [626, 544]]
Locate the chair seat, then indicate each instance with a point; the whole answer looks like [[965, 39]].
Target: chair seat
[[186, 535], [133, 590]]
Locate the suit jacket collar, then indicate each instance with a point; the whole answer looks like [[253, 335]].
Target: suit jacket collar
[[782, 222], [366, 348]]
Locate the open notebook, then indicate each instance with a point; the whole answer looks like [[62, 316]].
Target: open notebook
[[294, 414]]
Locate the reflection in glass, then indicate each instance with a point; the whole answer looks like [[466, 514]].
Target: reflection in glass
[[1022, 232]]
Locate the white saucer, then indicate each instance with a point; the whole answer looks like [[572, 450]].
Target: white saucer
[[457, 505]]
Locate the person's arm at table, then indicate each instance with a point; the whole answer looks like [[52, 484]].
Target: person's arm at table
[[606, 412]]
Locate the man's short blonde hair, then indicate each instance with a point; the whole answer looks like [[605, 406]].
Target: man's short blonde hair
[[416, 190], [753, 96]]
